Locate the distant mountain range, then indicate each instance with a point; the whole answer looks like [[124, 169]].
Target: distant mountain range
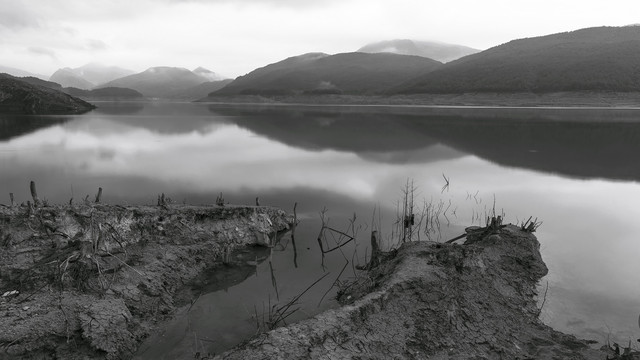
[[169, 82], [602, 59], [88, 76], [594, 59], [27, 97], [318, 73], [433, 50]]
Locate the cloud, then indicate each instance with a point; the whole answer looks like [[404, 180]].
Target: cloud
[[17, 19], [38, 50], [95, 45], [276, 3]]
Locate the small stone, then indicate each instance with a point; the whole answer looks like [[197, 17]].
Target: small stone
[[25, 308], [11, 293]]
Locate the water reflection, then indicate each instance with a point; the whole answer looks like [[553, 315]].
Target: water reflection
[[584, 143], [12, 126], [553, 164], [119, 108]]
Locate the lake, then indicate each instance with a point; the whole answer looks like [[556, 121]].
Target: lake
[[575, 170]]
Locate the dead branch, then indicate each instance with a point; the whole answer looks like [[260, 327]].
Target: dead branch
[[34, 194], [98, 196]]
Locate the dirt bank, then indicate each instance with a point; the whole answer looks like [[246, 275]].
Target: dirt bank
[[434, 301], [92, 280]]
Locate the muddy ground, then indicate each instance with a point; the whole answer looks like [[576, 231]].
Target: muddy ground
[[90, 281], [436, 301]]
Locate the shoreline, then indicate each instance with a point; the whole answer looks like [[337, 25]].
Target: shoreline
[[442, 300], [556, 100], [430, 300], [92, 281]]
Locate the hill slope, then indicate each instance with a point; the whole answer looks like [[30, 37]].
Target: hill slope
[[433, 50], [159, 82], [349, 73], [18, 72], [201, 90], [601, 59], [20, 97]]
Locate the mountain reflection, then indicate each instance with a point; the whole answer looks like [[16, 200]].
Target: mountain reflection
[[585, 143], [12, 126], [372, 135]]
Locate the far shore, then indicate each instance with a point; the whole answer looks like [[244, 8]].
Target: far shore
[[581, 99]]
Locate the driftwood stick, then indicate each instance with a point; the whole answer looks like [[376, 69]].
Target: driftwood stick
[[339, 246], [456, 238], [339, 232], [98, 195], [375, 253], [34, 194], [375, 246]]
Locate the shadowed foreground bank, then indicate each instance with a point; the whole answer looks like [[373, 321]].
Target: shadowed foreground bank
[[90, 281], [434, 301]]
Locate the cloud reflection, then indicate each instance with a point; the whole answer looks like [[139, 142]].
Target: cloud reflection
[[203, 160]]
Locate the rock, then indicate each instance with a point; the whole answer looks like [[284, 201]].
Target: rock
[[11, 293]]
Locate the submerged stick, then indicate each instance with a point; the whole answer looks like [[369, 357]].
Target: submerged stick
[[274, 283], [339, 245], [282, 311], [293, 236], [335, 282], [455, 238]]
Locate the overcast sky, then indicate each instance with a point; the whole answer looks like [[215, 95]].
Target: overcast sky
[[233, 37]]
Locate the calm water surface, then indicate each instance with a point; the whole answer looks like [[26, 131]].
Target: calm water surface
[[577, 170]]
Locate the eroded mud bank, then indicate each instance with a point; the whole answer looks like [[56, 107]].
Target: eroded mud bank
[[92, 280], [434, 301]]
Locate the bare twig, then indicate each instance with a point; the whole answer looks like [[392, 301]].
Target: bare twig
[[335, 282], [446, 185], [544, 300]]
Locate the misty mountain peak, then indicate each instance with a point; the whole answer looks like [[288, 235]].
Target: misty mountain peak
[[430, 49], [88, 75], [208, 74], [165, 69]]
